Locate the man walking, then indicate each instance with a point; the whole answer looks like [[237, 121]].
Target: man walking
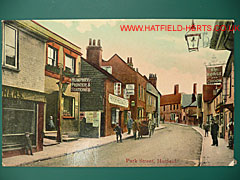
[[214, 133], [118, 131], [129, 124]]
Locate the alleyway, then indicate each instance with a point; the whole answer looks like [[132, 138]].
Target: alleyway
[[173, 146]]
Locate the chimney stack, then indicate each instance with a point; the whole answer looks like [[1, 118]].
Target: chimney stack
[[153, 79], [94, 52], [195, 88], [129, 62], [176, 89]]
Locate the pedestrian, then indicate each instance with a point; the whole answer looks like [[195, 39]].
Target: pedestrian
[[214, 133], [206, 128], [136, 129], [176, 119], [28, 144], [129, 124], [230, 128], [51, 123], [118, 131]]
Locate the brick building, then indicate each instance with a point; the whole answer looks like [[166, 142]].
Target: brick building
[[136, 84], [106, 96], [23, 97], [170, 106]]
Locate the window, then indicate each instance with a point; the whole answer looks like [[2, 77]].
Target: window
[[170, 107], [115, 116], [142, 93], [69, 103], [177, 106], [117, 89], [139, 92], [52, 56], [69, 64], [230, 86], [11, 38], [107, 68], [164, 108]]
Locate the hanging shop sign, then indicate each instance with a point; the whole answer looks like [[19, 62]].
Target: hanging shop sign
[[80, 84], [214, 75], [117, 100]]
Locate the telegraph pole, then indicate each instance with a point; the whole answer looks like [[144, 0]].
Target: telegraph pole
[[60, 105]]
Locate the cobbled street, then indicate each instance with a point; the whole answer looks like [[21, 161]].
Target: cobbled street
[[172, 146]]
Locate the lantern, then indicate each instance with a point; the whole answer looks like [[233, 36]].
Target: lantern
[[192, 38]]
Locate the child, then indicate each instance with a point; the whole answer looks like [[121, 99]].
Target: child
[[28, 145], [118, 131]]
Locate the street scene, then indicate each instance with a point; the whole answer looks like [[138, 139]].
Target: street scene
[[118, 93]]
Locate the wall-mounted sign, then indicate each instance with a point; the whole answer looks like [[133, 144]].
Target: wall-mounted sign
[[117, 100], [130, 89], [214, 75], [80, 84]]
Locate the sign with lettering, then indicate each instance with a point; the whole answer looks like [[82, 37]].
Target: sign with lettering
[[130, 89], [214, 75], [80, 84], [117, 100]]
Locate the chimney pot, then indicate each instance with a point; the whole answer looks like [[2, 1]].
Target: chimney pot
[[90, 41], [94, 42], [99, 42]]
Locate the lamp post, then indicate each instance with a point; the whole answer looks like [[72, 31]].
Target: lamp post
[[192, 38]]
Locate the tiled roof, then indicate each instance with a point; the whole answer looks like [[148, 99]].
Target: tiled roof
[[170, 99], [110, 76]]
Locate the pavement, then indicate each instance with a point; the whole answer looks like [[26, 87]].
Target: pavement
[[64, 148], [219, 155]]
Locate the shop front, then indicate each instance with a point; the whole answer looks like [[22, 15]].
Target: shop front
[[22, 112]]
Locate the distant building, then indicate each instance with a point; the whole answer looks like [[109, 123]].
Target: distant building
[[170, 109]]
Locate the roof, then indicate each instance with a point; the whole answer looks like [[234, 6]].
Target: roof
[[42, 31], [110, 76], [229, 65], [170, 99], [208, 93], [222, 40], [186, 100], [143, 76]]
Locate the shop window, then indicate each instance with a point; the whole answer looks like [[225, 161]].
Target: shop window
[[52, 56], [115, 115], [11, 38], [70, 64], [69, 103], [117, 89]]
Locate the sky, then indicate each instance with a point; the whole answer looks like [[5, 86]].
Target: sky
[[164, 53]]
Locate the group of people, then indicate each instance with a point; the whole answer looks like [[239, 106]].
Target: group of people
[[214, 132], [131, 125]]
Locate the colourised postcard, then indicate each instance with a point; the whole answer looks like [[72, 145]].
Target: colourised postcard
[[118, 93]]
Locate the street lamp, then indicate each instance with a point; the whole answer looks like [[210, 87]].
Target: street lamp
[[192, 38], [62, 88]]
